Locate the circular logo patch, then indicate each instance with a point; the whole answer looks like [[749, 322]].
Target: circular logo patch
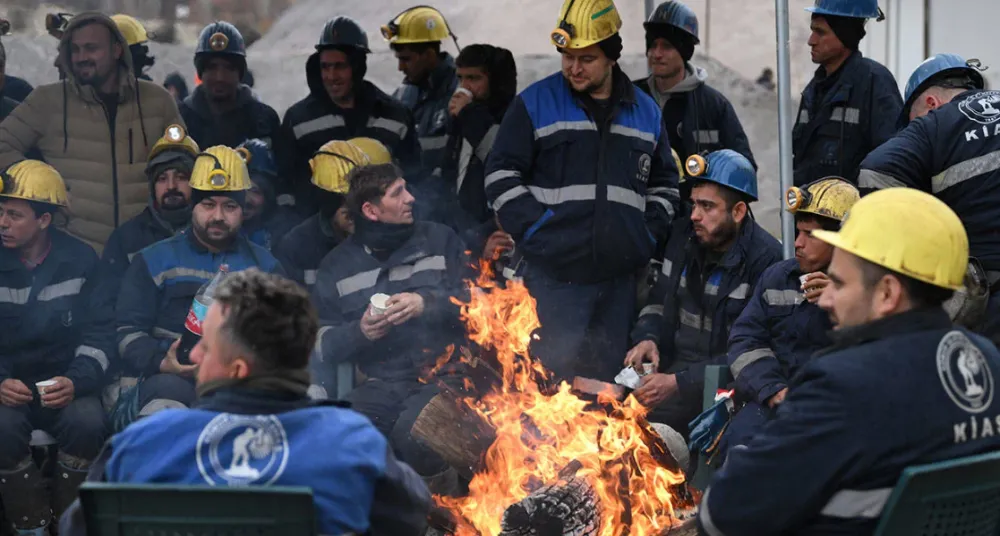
[[242, 450], [964, 372], [982, 107]]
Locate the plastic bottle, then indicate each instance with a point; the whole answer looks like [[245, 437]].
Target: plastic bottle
[[196, 315]]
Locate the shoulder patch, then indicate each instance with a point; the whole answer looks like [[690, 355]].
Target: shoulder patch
[[964, 372]]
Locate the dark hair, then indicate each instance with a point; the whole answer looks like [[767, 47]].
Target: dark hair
[[500, 67], [269, 317], [369, 184], [43, 208], [729, 196], [827, 224], [922, 295], [418, 48]]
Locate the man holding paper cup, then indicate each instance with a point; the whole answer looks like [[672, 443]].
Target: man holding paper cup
[[384, 301], [55, 339]]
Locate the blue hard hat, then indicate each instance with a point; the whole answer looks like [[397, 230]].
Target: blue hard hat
[[221, 37], [932, 68], [727, 168], [859, 9], [674, 14], [261, 159]]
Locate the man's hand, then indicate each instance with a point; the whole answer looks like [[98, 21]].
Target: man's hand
[[59, 396], [655, 388], [497, 243], [777, 398], [644, 352], [170, 364], [814, 285], [374, 327], [14, 393], [459, 100], [403, 307]]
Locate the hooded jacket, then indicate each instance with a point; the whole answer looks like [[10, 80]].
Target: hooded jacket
[[249, 119], [698, 117], [315, 120], [103, 166]]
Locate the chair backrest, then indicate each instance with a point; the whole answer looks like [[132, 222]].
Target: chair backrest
[[127, 509], [950, 498]]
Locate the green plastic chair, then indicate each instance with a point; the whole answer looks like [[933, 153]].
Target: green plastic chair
[[959, 497], [144, 509]]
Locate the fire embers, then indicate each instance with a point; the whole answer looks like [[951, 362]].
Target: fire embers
[[557, 463]]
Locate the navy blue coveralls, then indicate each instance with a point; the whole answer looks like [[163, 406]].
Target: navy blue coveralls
[[302, 249], [155, 299], [905, 390], [433, 264], [693, 306], [52, 324], [249, 119], [358, 485], [951, 153], [316, 119], [587, 194], [700, 118], [843, 117], [771, 340]]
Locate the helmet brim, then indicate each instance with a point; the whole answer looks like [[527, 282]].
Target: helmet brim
[[976, 76]]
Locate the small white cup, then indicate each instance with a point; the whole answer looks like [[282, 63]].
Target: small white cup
[[378, 304], [461, 89], [41, 386], [647, 369], [802, 281]]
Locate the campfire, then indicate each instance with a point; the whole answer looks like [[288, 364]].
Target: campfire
[[542, 458]]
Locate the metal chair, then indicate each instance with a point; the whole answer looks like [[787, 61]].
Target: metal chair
[[959, 497], [716, 377], [126, 509]]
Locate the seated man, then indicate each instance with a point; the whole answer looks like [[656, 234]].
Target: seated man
[[54, 347], [304, 247], [782, 326], [163, 279], [900, 385], [420, 266], [169, 211], [712, 263], [264, 220], [252, 383]]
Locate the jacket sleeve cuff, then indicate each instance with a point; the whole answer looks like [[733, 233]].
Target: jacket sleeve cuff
[[768, 391]]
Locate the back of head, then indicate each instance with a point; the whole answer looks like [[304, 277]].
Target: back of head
[[270, 318]]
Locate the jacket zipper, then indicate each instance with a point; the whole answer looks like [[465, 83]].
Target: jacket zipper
[[114, 161]]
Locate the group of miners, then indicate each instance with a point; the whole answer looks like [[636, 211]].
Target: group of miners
[[624, 208]]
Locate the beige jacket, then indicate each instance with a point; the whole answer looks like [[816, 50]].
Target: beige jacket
[[67, 122]]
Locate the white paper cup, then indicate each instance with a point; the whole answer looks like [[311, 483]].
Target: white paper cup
[[802, 281], [461, 89], [647, 369], [42, 386], [378, 303]]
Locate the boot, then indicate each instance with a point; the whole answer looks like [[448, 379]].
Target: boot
[[26, 498], [70, 472]]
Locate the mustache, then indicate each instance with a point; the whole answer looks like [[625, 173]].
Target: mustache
[[217, 225]]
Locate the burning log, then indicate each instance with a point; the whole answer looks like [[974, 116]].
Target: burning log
[[568, 507], [455, 432]]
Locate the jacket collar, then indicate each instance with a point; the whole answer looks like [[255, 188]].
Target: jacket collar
[[736, 253], [913, 321], [441, 78]]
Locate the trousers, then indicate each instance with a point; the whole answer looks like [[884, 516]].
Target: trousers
[[79, 429]]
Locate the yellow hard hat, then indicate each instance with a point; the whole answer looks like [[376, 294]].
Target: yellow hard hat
[[220, 169], [419, 24], [333, 161], [831, 197], [174, 138], [33, 180], [131, 29], [376, 152], [907, 231], [680, 167], [585, 22]]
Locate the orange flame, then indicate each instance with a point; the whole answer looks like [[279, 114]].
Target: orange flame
[[539, 433]]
